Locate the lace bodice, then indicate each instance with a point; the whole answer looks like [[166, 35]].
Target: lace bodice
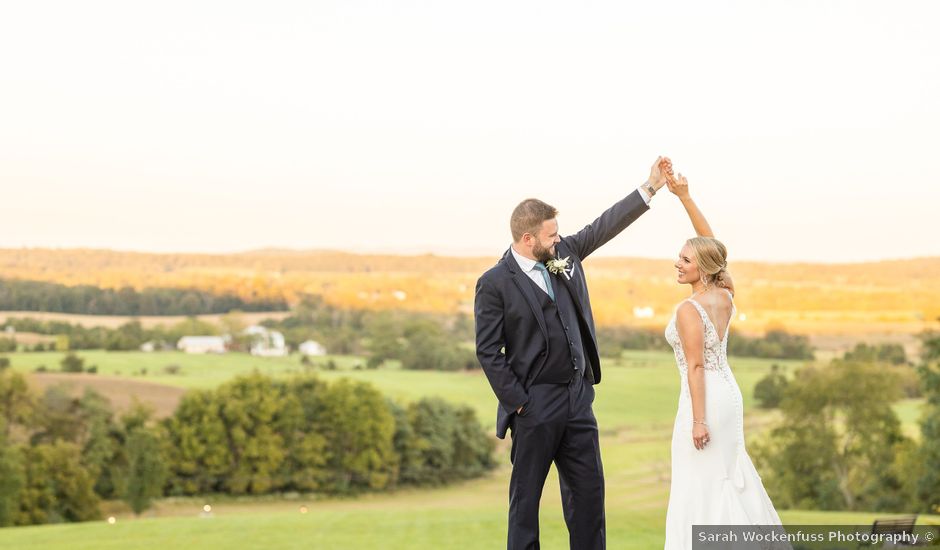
[[716, 348]]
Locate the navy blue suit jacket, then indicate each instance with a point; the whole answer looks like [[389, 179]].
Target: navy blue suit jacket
[[511, 335]]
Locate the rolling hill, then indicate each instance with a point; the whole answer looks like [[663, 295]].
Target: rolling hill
[[836, 304]]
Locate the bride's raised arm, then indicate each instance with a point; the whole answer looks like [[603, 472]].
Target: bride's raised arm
[[680, 188]]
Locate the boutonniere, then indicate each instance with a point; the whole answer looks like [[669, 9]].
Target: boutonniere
[[559, 266]]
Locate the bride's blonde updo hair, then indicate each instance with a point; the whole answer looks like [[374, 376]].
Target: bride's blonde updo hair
[[711, 257]]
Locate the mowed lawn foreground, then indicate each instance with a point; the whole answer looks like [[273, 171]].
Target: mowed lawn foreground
[[635, 406]]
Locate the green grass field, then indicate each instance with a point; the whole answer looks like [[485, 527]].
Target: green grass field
[[635, 406]]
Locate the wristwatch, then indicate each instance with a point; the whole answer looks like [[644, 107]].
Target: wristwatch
[[648, 187]]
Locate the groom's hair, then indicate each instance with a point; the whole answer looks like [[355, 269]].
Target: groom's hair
[[528, 216]]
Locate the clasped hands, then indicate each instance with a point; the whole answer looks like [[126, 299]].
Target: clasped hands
[[662, 174]]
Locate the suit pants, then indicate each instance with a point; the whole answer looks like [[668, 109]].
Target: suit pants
[[557, 425]]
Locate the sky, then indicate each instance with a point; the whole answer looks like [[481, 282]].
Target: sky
[[807, 129]]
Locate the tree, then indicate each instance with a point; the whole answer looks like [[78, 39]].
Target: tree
[[99, 439], [7, 344], [129, 336], [251, 435], [17, 403], [384, 337], [839, 440], [927, 488], [358, 428], [62, 342], [473, 448], [464, 359], [196, 445], [57, 416], [405, 445], [769, 390], [884, 353], [257, 435], [57, 487], [16, 295], [249, 408], [430, 348], [12, 480], [304, 466], [190, 327], [138, 415], [146, 470], [441, 443], [113, 474], [433, 425], [233, 324], [776, 344], [72, 363], [86, 421]]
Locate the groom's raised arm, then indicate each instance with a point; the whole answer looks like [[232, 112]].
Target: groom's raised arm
[[488, 318], [614, 220]]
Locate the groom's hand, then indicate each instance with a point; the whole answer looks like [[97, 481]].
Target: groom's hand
[[660, 172]]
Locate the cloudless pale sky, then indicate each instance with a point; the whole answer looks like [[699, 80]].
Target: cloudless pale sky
[[808, 129]]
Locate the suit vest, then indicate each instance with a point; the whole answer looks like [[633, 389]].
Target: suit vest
[[565, 342]]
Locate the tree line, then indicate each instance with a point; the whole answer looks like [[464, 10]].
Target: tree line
[[20, 295], [417, 340], [431, 341], [61, 455], [776, 344]]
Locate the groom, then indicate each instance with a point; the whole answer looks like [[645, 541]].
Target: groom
[[535, 340]]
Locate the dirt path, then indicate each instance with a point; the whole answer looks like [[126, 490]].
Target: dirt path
[[119, 390]]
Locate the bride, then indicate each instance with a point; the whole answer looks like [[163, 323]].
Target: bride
[[714, 481]]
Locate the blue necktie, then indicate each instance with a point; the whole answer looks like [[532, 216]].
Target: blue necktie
[[548, 280]]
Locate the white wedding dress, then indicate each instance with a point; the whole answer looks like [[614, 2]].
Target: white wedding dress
[[719, 484]]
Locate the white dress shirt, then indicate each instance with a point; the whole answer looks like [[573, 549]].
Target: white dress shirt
[[528, 265]]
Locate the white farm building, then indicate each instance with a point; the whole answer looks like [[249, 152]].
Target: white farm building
[[201, 344], [312, 348]]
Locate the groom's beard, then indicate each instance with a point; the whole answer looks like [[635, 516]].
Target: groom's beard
[[542, 254]]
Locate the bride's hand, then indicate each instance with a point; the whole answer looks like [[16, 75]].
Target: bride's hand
[[700, 436], [679, 187], [660, 172]]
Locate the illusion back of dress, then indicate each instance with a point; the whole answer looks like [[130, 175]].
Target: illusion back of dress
[[715, 347]]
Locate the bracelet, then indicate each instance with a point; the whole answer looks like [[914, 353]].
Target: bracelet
[[702, 422]]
